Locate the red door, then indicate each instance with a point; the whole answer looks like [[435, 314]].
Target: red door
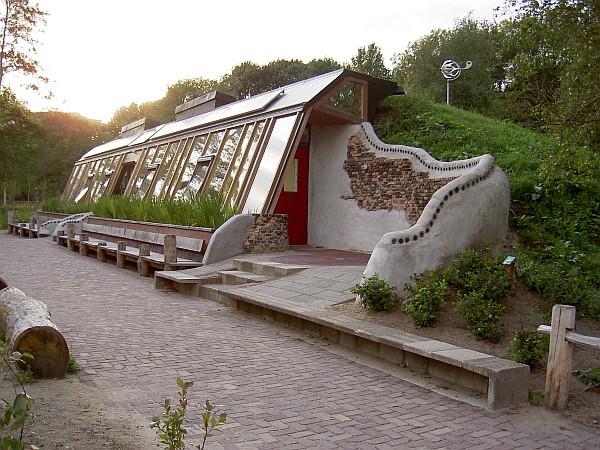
[[293, 200]]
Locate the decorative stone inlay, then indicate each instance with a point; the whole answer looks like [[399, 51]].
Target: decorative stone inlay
[[268, 234], [391, 184]]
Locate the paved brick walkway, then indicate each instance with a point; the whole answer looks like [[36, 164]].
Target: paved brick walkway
[[279, 387]]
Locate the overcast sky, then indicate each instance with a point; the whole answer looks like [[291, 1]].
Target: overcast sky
[[103, 55]]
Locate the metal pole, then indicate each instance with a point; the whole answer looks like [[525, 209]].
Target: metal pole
[[448, 92]]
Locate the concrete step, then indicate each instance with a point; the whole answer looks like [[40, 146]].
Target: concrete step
[[267, 268], [235, 277]]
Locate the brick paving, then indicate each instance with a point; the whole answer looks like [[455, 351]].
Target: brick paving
[[279, 387]]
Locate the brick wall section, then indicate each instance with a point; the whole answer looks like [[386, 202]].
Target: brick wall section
[[268, 234], [390, 184]]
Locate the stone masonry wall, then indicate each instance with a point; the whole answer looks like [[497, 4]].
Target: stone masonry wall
[[390, 184], [268, 234]]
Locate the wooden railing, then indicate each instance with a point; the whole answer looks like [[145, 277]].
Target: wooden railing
[[560, 356]]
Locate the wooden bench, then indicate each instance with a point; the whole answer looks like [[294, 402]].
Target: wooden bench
[[114, 241]]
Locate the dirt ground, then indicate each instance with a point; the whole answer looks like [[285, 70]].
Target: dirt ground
[[70, 414], [524, 314]]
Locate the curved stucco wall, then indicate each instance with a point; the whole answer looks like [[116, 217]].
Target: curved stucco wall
[[469, 210], [334, 222]]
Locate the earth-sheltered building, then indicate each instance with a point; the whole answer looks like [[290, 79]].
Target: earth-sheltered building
[[307, 150]]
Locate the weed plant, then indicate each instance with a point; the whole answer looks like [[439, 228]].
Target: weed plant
[[589, 377], [170, 424], [16, 412], [529, 347], [375, 293]]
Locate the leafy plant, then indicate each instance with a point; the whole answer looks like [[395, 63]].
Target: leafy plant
[[529, 347], [170, 425], [427, 298], [73, 367], [481, 315], [16, 412], [375, 294], [210, 421], [589, 377]]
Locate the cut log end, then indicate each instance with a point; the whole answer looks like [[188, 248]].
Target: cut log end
[[32, 331], [49, 350]]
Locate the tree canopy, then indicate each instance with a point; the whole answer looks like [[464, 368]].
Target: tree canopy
[[18, 20]]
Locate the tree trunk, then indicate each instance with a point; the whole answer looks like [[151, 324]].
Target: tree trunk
[[32, 330]]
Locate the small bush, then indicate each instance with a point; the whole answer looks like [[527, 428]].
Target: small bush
[[529, 347], [477, 270], [427, 298], [375, 294], [590, 377], [481, 315]]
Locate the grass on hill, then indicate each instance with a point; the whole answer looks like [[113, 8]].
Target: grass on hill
[[555, 191]]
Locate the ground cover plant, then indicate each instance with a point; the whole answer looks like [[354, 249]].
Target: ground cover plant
[[375, 294], [555, 191], [204, 211]]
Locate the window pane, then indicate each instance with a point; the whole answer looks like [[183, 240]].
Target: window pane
[[143, 172], [224, 159], [269, 164], [348, 99], [244, 164], [162, 171], [195, 184], [190, 167]]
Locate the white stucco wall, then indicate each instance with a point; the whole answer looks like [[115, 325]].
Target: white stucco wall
[[468, 211], [332, 221]]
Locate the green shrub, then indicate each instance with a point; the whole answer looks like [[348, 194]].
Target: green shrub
[[477, 270], [427, 298], [590, 377], [375, 294], [529, 347], [481, 315]]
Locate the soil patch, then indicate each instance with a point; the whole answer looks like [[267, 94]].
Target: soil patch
[[523, 313]]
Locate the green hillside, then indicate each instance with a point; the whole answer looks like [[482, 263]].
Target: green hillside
[[555, 191]]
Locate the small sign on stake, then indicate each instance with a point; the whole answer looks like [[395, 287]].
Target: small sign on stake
[[510, 263]]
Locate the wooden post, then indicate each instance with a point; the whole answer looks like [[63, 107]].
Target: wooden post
[[170, 250], [32, 227], [83, 249], [121, 247], [560, 359], [101, 252], [143, 266], [10, 215], [70, 236]]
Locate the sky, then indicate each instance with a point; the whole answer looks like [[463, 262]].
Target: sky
[[102, 55]]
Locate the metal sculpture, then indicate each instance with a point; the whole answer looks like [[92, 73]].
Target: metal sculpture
[[451, 71]]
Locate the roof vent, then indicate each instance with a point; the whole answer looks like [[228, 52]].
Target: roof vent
[[138, 127], [203, 104]]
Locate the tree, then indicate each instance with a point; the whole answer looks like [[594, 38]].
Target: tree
[[18, 146], [552, 72], [369, 60], [17, 45], [417, 69]]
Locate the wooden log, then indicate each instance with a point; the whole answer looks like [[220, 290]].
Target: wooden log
[[32, 330], [560, 359], [143, 266], [3, 284], [121, 247], [170, 250]]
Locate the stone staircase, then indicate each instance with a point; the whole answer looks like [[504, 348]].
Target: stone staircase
[[207, 284]]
